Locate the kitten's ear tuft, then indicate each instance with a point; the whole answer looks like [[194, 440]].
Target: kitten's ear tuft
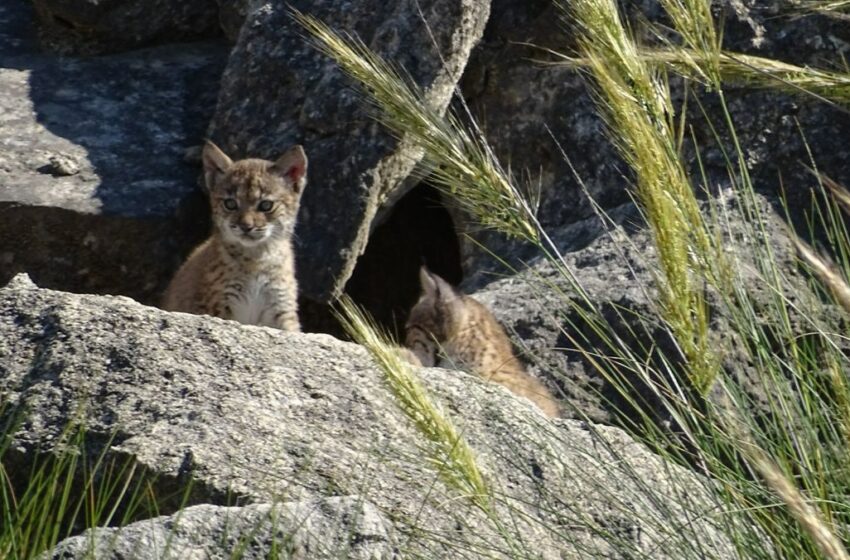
[[216, 163], [292, 166], [433, 284], [445, 291], [426, 280]]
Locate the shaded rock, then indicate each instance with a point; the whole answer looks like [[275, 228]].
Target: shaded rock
[[278, 90], [94, 195], [616, 269], [531, 112], [232, 14], [95, 27], [608, 269], [517, 102], [267, 416], [343, 527], [17, 30]]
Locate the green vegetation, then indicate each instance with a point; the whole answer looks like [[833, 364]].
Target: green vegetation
[[637, 106], [746, 70], [834, 8], [65, 493], [447, 451], [69, 490], [779, 475]]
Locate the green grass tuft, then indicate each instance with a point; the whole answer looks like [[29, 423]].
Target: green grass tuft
[[637, 106], [449, 453], [744, 70], [839, 9], [459, 160]]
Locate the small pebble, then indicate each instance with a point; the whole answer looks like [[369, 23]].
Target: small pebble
[[62, 166]]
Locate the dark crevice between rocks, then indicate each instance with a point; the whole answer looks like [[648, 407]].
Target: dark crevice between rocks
[[99, 28], [107, 257], [385, 282]]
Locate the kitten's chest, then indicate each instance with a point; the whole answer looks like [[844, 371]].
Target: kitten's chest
[[251, 298]]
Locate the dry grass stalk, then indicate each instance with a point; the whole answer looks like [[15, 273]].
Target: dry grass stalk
[[449, 453], [746, 70], [838, 9], [839, 193], [637, 106], [458, 157], [807, 516], [826, 273]]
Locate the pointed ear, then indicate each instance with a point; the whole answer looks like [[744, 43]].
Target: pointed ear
[[436, 286], [216, 163], [292, 166], [429, 286]]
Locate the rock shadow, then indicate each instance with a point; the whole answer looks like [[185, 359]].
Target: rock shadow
[[101, 141], [418, 230]]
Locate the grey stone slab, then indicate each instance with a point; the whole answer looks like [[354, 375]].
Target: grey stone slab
[[328, 528], [258, 415]]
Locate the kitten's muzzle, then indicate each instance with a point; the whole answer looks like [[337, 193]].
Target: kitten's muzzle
[[250, 230], [247, 233]]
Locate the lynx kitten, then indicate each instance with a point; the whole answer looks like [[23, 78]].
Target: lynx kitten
[[444, 321], [245, 270]]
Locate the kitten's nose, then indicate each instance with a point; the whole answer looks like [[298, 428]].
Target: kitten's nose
[[246, 228]]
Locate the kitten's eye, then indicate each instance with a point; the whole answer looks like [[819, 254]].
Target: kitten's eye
[[265, 205], [230, 203]]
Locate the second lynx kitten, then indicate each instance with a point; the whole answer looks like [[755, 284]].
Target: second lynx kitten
[[445, 321], [245, 271]]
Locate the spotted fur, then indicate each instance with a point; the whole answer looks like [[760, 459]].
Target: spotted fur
[[245, 271], [449, 329]]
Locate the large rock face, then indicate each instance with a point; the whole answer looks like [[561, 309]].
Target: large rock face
[[278, 90], [331, 528], [94, 193], [257, 415], [518, 104], [533, 112], [94, 26]]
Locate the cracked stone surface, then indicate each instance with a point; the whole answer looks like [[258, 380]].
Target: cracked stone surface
[[533, 113], [261, 416], [321, 529]]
